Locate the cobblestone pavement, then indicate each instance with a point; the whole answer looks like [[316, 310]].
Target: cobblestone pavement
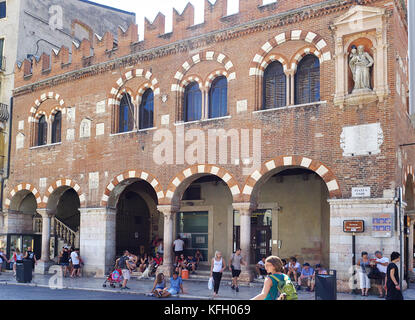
[[193, 289]]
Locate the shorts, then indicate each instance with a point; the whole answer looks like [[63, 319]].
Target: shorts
[[126, 274], [381, 280], [76, 266], [173, 291], [64, 264], [178, 253], [235, 273]]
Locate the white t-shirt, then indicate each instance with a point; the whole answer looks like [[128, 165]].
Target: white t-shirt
[[297, 266], [261, 263], [178, 245], [380, 267], [74, 258]]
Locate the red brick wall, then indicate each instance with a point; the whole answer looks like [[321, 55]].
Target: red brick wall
[[312, 131]]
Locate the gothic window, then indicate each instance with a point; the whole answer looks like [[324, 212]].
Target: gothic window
[[218, 98], [57, 128], [147, 110], [192, 103], [126, 114], [275, 86], [307, 80], [42, 133]]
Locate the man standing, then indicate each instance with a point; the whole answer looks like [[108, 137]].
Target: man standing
[[30, 255], [122, 264], [76, 263], [178, 247], [382, 265], [235, 267]]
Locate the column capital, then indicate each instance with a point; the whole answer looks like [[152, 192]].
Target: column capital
[[46, 213], [167, 210], [245, 208]]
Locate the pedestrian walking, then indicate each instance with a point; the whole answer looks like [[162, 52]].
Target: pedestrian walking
[[63, 261], [76, 263], [17, 258], [218, 265], [277, 286], [3, 259], [364, 264], [235, 263], [122, 264], [393, 288]]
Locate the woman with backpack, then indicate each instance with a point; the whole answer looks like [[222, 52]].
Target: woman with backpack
[[277, 285]]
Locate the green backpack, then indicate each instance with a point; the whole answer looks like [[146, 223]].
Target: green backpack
[[288, 289]]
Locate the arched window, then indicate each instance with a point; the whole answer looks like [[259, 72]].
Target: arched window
[[126, 114], [42, 132], [57, 127], [307, 80], [147, 110], [275, 86], [218, 98], [192, 103]]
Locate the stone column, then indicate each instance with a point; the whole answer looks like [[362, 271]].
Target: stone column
[[292, 88], [44, 264], [97, 237], [169, 217], [288, 84], [245, 213]]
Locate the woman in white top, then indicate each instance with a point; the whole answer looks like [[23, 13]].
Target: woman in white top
[[217, 267], [17, 257]]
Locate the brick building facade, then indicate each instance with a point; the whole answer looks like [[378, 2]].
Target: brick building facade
[[284, 182]]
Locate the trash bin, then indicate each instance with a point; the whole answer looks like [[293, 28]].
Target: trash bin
[[326, 286], [24, 271]]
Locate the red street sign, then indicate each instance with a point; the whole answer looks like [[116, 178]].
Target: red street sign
[[353, 226]]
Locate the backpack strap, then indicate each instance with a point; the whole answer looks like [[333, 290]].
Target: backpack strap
[[278, 281]]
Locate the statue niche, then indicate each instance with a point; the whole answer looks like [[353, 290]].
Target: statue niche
[[361, 63]]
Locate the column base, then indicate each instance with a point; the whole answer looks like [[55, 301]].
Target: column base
[[166, 269], [42, 267], [247, 274]]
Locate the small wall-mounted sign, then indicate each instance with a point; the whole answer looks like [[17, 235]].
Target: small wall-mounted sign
[[363, 192], [382, 226], [353, 226]]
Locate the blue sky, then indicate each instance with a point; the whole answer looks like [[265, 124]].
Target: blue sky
[[150, 9]]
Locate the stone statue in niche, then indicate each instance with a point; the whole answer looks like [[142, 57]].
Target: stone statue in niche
[[360, 63]]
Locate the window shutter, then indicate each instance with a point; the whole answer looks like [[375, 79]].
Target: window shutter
[[307, 80], [275, 86]]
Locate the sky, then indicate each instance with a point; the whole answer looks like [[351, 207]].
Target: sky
[[150, 8]]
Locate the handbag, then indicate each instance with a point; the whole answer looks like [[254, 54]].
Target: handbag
[[374, 273], [210, 283]]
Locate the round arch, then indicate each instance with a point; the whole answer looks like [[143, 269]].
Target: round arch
[[16, 196], [269, 168], [314, 39], [110, 198], [182, 180], [56, 189]]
